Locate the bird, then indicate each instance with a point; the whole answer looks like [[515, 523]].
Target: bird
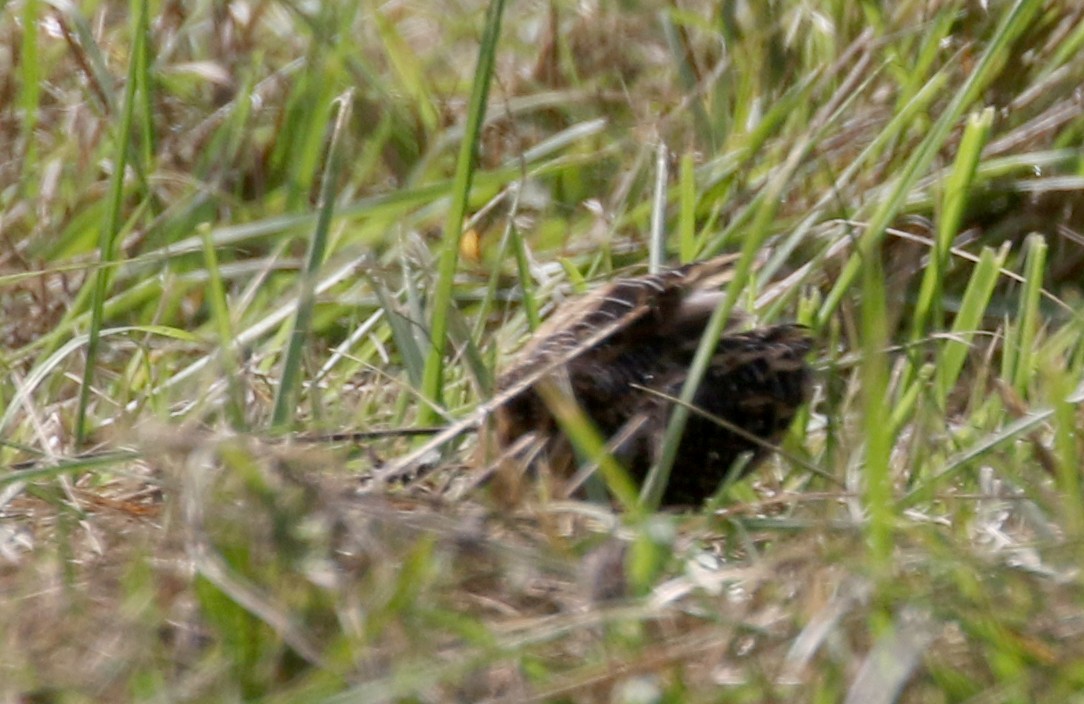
[[623, 353]]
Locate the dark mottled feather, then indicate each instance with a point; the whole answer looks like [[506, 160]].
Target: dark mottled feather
[[756, 381]]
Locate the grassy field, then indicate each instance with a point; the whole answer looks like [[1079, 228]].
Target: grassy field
[[229, 229]]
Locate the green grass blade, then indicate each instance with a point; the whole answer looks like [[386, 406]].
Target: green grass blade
[[1066, 424], [957, 187], [433, 380], [578, 428], [577, 280], [30, 88], [1022, 335], [531, 306], [220, 317], [687, 210], [290, 380], [876, 402], [145, 94], [410, 74], [657, 236], [973, 307], [111, 225]]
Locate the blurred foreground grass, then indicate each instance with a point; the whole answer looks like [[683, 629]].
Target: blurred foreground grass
[[179, 180]]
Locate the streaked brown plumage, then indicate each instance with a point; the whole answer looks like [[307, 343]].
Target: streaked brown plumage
[[643, 332]]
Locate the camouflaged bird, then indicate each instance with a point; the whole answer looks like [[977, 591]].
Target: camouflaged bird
[[623, 352]]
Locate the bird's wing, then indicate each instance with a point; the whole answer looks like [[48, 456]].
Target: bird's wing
[[669, 300]]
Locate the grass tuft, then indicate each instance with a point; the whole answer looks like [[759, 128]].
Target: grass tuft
[[248, 247]]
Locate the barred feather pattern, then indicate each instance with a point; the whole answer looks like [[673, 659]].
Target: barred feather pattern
[[627, 380]]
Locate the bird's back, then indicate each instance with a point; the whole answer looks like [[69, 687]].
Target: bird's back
[[623, 352]]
